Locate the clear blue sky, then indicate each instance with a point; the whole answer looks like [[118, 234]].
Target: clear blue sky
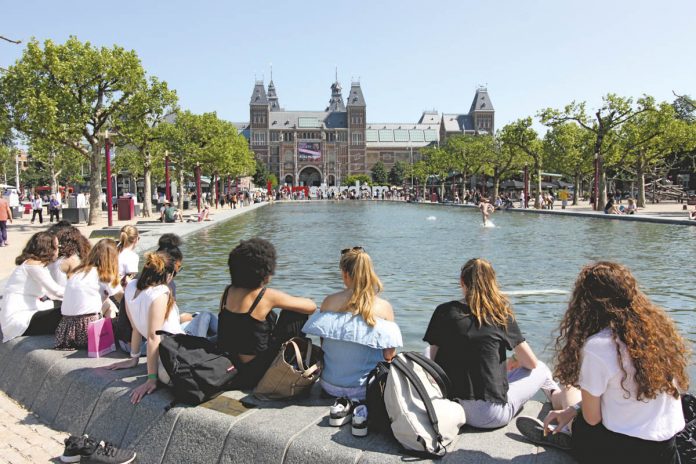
[[409, 55]]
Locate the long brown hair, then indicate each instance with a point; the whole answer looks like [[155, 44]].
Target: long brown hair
[[40, 247], [104, 257], [366, 285], [72, 242], [158, 266], [485, 300], [606, 295]]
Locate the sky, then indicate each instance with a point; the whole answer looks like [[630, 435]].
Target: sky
[[409, 56]]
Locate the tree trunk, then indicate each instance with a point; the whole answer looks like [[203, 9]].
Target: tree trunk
[[640, 202], [537, 203], [147, 187], [602, 188], [577, 188], [95, 164], [181, 188], [496, 187], [214, 190]]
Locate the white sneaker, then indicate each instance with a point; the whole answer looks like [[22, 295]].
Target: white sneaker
[[341, 412], [359, 424]]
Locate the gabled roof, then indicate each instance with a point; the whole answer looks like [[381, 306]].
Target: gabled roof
[[355, 97], [258, 96], [273, 97], [429, 117], [279, 120], [482, 102], [378, 135], [458, 122]]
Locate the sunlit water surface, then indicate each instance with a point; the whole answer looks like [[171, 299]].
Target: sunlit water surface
[[418, 251]]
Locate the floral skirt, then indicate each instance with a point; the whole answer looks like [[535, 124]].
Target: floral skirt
[[71, 333]]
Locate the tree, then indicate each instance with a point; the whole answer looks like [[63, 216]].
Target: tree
[[614, 112], [467, 154], [70, 94], [273, 180], [379, 173], [397, 173], [261, 174], [55, 162], [522, 136], [140, 134], [568, 150], [364, 179], [501, 159]]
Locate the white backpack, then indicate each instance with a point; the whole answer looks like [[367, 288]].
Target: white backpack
[[422, 419]]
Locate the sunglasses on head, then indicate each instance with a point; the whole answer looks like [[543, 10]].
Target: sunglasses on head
[[357, 248], [181, 268]]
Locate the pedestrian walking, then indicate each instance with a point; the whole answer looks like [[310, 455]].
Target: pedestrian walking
[[5, 215], [54, 209], [37, 207]]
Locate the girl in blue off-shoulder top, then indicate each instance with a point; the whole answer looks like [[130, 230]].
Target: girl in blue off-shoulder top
[[357, 329]]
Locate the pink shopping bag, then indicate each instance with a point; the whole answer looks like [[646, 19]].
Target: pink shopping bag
[[100, 338]]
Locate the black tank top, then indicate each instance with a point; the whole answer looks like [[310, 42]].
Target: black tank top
[[241, 333]]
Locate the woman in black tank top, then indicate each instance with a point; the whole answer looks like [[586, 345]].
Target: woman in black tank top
[[248, 328]]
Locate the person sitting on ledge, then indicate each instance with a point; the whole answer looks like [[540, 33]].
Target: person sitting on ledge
[[30, 303], [357, 330], [248, 328], [469, 339], [631, 208], [73, 247], [627, 364], [611, 208], [150, 307], [170, 213], [692, 214], [86, 295]]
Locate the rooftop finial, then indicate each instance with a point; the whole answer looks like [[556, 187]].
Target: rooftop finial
[[271, 64], [336, 73]]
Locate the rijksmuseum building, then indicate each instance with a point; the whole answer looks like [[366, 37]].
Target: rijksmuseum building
[[312, 148]]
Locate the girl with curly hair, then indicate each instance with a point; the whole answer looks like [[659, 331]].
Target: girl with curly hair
[[72, 249], [470, 338], [628, 361], [30, 303]]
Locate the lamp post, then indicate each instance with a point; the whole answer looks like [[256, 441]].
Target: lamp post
[[525, 200], [167, 188], [595, 189], [109, 206], [198, 186]]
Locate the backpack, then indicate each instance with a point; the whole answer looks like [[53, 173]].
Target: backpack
[[686, 439], [422, 417], [198, 369], [377, 419]]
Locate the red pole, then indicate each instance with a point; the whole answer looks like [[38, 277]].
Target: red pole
[[198, 187], [167, 191], [109, 206], [595, 205], [525, 200]]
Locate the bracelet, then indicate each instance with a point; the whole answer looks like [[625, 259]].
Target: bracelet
[[151, 376], [577, 406], [135, 355]]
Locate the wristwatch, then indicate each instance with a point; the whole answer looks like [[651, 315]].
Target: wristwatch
[[577, 407]]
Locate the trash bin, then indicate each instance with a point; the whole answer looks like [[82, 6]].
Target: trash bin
[[16, 212], [72, 201], [126, 209], [27, 208], [186, 204]]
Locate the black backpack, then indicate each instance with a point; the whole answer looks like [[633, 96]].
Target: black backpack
[[198, 369], [686, 439], [377, 418]]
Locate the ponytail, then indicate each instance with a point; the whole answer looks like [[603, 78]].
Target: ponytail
[[158, 266], [128, 236], [366, 285]]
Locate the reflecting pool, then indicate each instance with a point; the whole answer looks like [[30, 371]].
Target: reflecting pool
[[419, 249]]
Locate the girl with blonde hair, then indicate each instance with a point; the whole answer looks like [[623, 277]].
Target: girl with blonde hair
[[86, 294], [470, 338], [357, 329], [128, 259], [625, 364]]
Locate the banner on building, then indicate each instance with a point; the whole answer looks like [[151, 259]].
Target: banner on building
[[309, 151]]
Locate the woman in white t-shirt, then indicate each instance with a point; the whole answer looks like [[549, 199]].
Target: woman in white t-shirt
[[86, 292], [73, 247], [128, 259], [629, 362]]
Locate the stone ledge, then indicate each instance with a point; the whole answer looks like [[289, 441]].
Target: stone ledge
[[72, 393]]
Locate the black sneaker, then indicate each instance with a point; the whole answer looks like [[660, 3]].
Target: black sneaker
[[106, 453], [75, 448], [533, 430], [341, 412]]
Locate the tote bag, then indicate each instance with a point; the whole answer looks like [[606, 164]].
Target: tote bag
[[100, 338], [293, 371]]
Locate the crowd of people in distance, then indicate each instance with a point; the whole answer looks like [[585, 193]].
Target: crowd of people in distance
[[619, 367]]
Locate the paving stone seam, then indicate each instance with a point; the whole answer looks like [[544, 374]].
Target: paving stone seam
[[169, 437], [224, 443], [286, 448], [96, 403]]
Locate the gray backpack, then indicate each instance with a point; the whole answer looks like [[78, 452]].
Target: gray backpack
[[423, 419]]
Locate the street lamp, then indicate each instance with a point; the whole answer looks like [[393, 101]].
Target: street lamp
[[595, 205], [109, 206], [525, 200], [167, 188]]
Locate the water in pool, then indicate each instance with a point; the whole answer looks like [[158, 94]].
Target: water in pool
[[419, 249]]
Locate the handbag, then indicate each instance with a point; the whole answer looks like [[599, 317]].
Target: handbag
[[294, 370], [100, 338]]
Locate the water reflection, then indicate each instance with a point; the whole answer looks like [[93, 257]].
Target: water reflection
[[537, 258]]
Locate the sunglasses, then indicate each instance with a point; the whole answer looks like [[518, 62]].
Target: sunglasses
[[177, 271], [357, 248]]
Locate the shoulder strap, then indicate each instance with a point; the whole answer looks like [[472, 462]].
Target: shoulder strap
[[256, 301], [223, 300], [433, 369], [422, 392]]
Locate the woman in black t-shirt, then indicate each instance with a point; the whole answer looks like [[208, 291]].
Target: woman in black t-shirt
[[470, 338]]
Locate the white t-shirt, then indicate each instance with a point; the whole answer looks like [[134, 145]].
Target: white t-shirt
[[127, 262], [138, 308], [84, 294], [600, 375]]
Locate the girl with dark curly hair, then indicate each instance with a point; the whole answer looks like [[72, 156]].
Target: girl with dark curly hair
[[248, 327], [628, 360], [72, 249], [29, 304]]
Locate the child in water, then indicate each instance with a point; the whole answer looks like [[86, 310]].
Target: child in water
[[486, 210]]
